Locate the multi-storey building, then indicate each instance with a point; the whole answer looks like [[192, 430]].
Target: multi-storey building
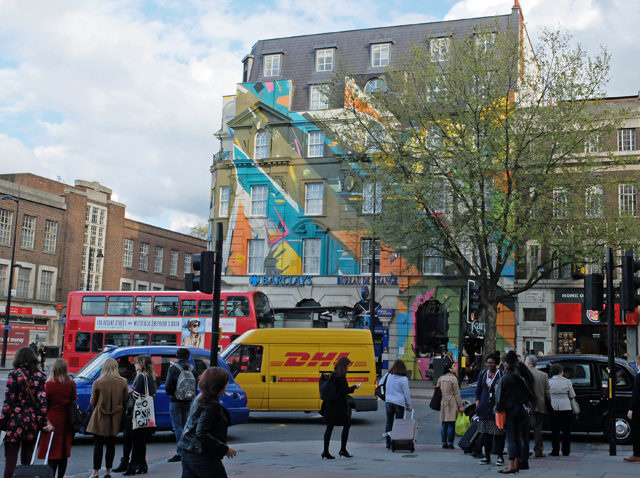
[[76, 238], [296, 215]]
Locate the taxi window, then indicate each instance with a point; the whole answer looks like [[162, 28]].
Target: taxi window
[[201, 362], [623, 379], [83, 339], [161, 364], [126, 368], [580, 374]]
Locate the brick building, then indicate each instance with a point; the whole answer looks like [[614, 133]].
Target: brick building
[[59, 228]]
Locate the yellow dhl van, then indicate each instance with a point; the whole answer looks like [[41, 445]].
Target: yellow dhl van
[[279, 369]]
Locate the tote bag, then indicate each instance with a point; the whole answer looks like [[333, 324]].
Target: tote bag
[[144, 412]]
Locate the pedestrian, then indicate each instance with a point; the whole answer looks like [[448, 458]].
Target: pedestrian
[[397, 395], [561, 390], [145, 381], [34, 347], [25, 410], [109, 397], [61, 391], [543, 397], [178, 408], [512, 393], [492, 436], [338, 412], [450, 405], [525, 373], [203, 441], [634, 416], [41, 354]]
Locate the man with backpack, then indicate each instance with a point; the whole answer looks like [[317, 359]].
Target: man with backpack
[[182, 386]]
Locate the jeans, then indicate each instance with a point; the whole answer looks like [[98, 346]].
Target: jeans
[[98, 443], [393, 411], [447, 432], [179, 412], [515, 428], [201, 466]]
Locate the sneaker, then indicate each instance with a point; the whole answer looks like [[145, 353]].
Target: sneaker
[[485, 461], [174, 458], [451, 446], [500, 461], [477, 455]]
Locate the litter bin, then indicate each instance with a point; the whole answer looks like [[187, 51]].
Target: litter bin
[[52, 351]]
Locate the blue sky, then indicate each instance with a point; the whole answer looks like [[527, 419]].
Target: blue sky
[[128, 92]]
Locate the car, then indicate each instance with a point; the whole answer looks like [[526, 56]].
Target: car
[[234, 399], [588, 374]]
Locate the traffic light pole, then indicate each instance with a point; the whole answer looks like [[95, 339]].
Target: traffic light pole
[[215, 322], [460, 338], [611, 344]]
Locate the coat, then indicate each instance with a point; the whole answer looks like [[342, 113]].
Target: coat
[[561, 392], [485, 395], [451, 399], [109, 397], [59, 396], [205, 432], [541, 389], [21, 418], [338, 411]]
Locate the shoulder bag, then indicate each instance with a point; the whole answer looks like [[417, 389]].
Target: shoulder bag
[[76, 415], [381, 390], [575, 408], [144, 412], [436, 400]]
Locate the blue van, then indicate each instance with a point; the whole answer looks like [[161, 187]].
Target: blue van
[[234, 399]]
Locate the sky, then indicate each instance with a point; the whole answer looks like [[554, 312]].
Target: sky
[[129, 92]]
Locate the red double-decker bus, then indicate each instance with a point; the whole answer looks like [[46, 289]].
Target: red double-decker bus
[[122, 318]]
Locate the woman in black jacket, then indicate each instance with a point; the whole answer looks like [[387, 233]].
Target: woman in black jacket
[[338, 412], [204, 436]]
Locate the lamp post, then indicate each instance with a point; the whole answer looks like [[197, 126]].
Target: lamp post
[[98, 256], [5, 334]]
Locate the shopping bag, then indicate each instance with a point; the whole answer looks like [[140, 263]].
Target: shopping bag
[[144, 412], [500, 418], [462, 423]]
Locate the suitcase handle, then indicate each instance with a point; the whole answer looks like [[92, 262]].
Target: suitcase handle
[[405, 413], [35, 450]]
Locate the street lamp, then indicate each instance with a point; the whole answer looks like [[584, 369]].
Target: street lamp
[[99, 256], [5, 334]]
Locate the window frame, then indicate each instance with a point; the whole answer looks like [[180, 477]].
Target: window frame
[[6, 225], [627, 143], [380, 86], [315, 144], [143, 263], [261, 145], [28, 233], [271, 68], [311, 256], [313, 201], [188, 262], [255, 260], [259, 204], [223, 209], [127, 260], [378, 59], [158, 260], [437, 53], [323, 54], [317, 100], [433, 263], [50, 236], [173, 262], [371, 198], [628, 200], [365, 267], [594, 201]]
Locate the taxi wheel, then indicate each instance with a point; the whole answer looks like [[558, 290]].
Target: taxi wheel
[[623, 430]]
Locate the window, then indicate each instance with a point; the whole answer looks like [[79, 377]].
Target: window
[[4, 277], [166, 306], [50, 236], [157, 262], [173, 263], [317, 98], [46, 284], [324, 60], [245, 359], [371, 198], [224, 201], [628, 200], [272, 65], [380, 54], [144, 256], [592, 144], [28, 232], [365, 256], [376, 85], [255, 263], [433, 263], [560, 203], [188, 308], [594, 202], [627, 139], [187, 263], [485, 41], [439, 49], [126, 284], [535, 315], [259, 200], [128, 253], [237, 306], [143, 305], [6, 221], [311, 249], [433, 138], [533, 259], [313, 198], [120, 305], [262, 145], [316, 144], [24, 281], [562, 268]]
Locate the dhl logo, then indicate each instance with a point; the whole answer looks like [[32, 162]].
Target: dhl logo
[[300, 359]]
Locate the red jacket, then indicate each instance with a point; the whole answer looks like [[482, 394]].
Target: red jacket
[[59, 398]]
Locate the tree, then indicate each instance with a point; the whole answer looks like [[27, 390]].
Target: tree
[[484, 151], [200, 230]]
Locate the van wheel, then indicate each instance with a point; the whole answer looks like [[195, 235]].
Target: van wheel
[[623, 430]]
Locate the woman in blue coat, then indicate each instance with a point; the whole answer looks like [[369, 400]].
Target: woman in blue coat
[[492, 436]]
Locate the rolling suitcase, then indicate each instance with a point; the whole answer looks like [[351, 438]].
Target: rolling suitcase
[[404, 433], [36, 471], [470, 437]]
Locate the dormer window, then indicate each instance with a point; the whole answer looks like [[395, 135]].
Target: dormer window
[[439, 49], [324, 60], [261, 145], [272, 65], [380, 54]]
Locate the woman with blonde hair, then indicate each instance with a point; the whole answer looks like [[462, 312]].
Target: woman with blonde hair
[[61, 391], [145, 381], [109, 396]]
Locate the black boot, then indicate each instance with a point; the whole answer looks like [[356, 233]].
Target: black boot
[[121, 467]]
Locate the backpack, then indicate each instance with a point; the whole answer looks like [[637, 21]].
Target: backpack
[[186, 387], [328, 389]]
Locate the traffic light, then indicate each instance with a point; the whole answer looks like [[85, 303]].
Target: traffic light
[[594, 292], [202, 262], [629, 284], [473, 302]]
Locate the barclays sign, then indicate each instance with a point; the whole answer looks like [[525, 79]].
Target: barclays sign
[[286, 280]]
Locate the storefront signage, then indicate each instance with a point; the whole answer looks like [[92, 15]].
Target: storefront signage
[[384, 312], [534, 331], [34, 312], [362, 280], [287, 280]]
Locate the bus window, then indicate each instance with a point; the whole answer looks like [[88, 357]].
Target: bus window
[[237, 306], [96, 342], [205, 307], [164, 339], [117, 339], [120, 305], [166, 306], [83, 339], [143, 305], [94, 305], [188, 308], [140, 339], [264, 314]]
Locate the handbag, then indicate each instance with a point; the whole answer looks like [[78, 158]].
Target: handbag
[[144, 412], [530, 415], [381, 390], [500, 419], [575, 408], [436, 400], [76, 415]]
